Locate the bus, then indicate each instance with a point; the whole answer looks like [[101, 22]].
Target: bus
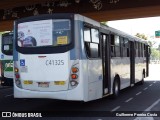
[[6, 61], [72, 57]]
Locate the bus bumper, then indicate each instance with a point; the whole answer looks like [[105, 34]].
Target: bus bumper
[[60, 95]]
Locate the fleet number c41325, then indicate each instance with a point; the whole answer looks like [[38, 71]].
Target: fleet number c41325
[[54, 62]]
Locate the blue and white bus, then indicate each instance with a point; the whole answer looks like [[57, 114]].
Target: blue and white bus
[[72, 57]]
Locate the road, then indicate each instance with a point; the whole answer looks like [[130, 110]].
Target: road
[[137, 99]]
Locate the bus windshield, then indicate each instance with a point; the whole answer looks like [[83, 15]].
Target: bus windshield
[[44, 33], [7, 44]]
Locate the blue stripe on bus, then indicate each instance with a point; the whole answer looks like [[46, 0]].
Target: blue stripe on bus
[[15, 53], [73, 54]]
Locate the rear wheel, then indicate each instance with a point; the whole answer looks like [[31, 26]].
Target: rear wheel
[[142, 81], [116, 88]]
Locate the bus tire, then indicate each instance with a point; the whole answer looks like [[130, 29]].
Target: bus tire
[[142, 81], [116, 87]]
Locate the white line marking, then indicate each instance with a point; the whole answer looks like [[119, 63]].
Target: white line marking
[[150, 85], [116, 108], [8, 95], [128, 100], [145, 88], [138, 93], [148, 109], [154, 82], [154, 104]]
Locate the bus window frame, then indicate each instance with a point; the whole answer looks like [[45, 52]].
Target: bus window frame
[[87, 25]]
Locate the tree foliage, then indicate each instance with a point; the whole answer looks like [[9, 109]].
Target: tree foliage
[[142, 36], [155, 54], [105, 23], [151, 43]]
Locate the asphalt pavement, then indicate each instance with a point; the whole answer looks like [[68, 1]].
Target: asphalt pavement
[[138, 99]]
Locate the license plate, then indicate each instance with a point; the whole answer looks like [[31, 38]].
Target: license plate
[[43, 84]]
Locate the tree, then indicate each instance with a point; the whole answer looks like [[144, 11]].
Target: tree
[[158, 47], [151, 43], [155, 54], [142, 36], [104, 23]]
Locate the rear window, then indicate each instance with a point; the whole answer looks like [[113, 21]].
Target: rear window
[[44, 33], [7, 43]]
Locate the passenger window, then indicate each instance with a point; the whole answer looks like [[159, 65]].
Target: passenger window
[[94, 50], [117, 43], [95, 35], [136, 49], [91, 42], [144, 50], [112, 46], [87, 35]]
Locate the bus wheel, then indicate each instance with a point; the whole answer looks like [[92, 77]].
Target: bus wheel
[[116, 88], [142, 81]]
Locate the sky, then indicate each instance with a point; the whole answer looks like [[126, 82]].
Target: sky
[[146, 26]]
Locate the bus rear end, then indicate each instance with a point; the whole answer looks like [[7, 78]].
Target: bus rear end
[[43, 68]]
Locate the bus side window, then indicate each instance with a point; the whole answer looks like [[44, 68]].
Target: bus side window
[[112, 46], [87, 40], [128, 52], [136, 49], [87, 35], [91, 42], [126, 47], [117, 46], [139, 49], [87, 46], [144, 50]]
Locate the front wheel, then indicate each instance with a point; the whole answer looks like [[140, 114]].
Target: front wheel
[[116, 88]]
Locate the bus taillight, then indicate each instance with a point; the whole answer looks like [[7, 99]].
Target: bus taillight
[[16, 70], [74, 76], [74, 69], [17, 78], [74, 83]]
